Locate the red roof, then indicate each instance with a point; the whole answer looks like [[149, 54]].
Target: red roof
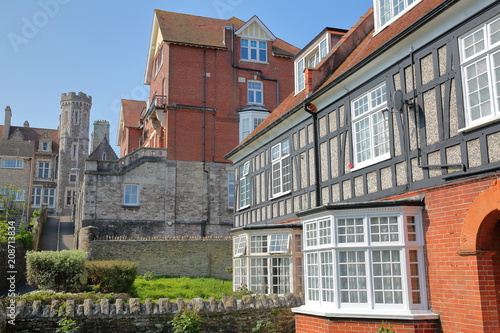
[[349, 52], [190, 29], [206, 31], [132, 112]]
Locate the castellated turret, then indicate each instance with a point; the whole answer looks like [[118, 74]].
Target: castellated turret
[[100, 131], [73, 147]]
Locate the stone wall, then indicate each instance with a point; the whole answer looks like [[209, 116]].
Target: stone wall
[[229, 315], [175, 198], [173, 256]]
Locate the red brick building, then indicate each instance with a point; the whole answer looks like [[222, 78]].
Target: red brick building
[[204, 75], [211, 82], [385, 191]]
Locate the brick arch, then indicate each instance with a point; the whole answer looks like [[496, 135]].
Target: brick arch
[[480, 220]]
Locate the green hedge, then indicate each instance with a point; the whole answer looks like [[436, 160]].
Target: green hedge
[[112, 276], [57, 270]]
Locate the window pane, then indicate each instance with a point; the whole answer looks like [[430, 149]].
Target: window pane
[[258, 244], [278, 243], [352, 277], [387, 277], [327, 277], [311, 234], [350, 230], [280, 275], [312, 273], [325, 232], [259, 279]]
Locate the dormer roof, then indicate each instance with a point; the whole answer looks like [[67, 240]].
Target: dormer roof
[[255, 29]]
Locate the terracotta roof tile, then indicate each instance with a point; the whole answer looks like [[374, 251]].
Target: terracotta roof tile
[[34, 134], [132, 112], [190, 29]]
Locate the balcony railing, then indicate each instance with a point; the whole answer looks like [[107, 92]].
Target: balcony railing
[[158, 102]]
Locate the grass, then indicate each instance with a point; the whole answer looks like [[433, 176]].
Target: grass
[[179, 287]]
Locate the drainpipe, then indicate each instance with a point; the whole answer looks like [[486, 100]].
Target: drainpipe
[[261, 75], [311, 109], [203, 231]]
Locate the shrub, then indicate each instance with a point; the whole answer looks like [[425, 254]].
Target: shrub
[[57, 270], [112, 276], [188, 321]]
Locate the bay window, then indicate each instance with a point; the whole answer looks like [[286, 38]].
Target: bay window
[[266, 267], [362, 261]]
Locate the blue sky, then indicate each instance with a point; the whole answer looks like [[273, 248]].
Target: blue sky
[[49, 47]]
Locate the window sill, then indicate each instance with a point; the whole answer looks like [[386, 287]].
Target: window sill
[[368, 314], [479, 125], [279, 195], [255, 61], [367, 164], [131, 207], [243, 208]]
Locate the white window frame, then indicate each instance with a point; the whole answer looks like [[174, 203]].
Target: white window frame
[[158, 61], [244, 189], [230, 190], [327, 283], [309, 60], [36, 196], [253, 50], [45, 146], [255, 92], [393, 13], [281, 169], [370, 124], [483, 52], [239, 245], [10, 163], [249, 120], [70, 196], [49, 197], [131, 193], [43, 169]]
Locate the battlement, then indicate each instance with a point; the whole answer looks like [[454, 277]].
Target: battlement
[[72, 96], [101, 122]]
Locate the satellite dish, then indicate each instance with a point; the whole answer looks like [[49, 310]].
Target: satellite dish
[[398, 100]]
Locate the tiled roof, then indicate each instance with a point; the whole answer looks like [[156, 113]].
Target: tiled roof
[[33, 134], [359, 53], [206, 31], [104, 147], [190, 29], [132, 112]]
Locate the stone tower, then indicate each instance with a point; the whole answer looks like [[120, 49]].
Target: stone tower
[[73, 148], [100, 131]]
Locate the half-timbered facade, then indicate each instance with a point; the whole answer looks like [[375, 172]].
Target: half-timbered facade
[[383, 171]]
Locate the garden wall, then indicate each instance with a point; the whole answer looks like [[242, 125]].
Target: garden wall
[[173, 256], [229, 315]]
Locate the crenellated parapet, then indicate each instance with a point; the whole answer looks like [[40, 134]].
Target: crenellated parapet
[[80, 99]]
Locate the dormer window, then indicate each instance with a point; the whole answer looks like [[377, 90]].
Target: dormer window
[[311, 59], [45, 146], [387, 11], [253, 50]]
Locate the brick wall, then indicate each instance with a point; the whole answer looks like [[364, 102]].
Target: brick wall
[[310, 324], [196, 257]]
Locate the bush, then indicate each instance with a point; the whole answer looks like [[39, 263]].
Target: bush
[[57, 270], [112, 276], [188, 321]]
